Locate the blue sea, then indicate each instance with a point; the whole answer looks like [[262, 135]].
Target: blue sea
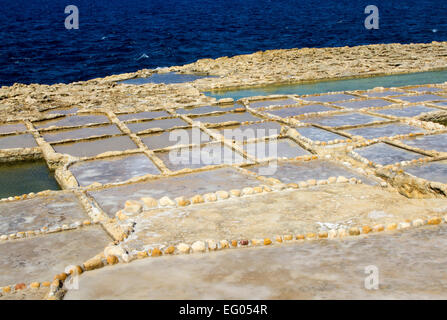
[[117, 36]]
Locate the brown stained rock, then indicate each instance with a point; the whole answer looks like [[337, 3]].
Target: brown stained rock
[[224, 244], [288, 237], [278, 239], [391, 226], [197, 199], [434, 221], [234, 243], [366, 229], [182, 201], [292, 185], [76, 270], [170, 250], [46, 284], [379, 228], [322, 235], [61, 276], [112, 260], [156, 252], [300, 237], [142, 254], [6, 289], [267, 241], [310, 235], [354, 231], [93, 263], [35, 285], [244, 242], [20, 286]]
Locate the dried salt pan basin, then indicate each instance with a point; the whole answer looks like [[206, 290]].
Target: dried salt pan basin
[[233, 116], [95, 147], [62, 111], [207, 109], [188, 185], [329, 97], [269, 103], [433, 171], [364, 104], [386, 130], [48, 211], [25, 140], [81, 133], [295, 171], [197, 157], [317, 134], [386, 93], [436, 142], [12, 127], [425, 89], [40, 258], [385, 154], [289, 212], [72, 121], [23, 177], [156, 124], [165, 139], [296, 111], [346, 119], [142, 115], [112, 170], [250, 131], [281, 148], [421, 98], [406, 111], [312, 270]]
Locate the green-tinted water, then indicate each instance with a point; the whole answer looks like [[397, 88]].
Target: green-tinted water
[[418, 78], [24, 177]]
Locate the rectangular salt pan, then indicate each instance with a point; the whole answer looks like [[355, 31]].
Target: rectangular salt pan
[[72, 121], [346, 119], [207, 109], [175, 137], [406, 111], [111, 200], [329, 97], [436, 142], [374, 94], [81, 133], [421, 98], [18, 141], [426, 89], [269, 103], [113, 170], [296, 111], [62, 111], [43, 211], [162, 124], [384, 154], [94, 147], [317, 134], [142, 115], [432, 171], [12, 128], [293, 172], [277, 149], [237, 116], [198, 157], [364, 104], [388, 130], [250, 131]]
